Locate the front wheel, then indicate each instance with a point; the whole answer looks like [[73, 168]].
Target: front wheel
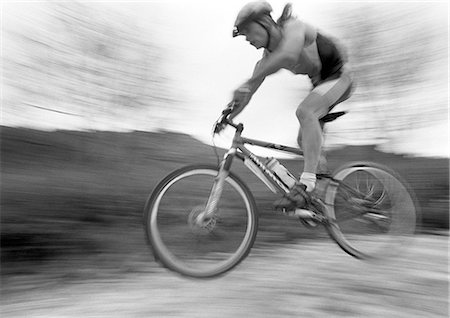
[[372, 211], [200, 249]]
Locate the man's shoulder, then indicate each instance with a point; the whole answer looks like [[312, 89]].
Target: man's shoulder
[[293, 24], [296, 26]]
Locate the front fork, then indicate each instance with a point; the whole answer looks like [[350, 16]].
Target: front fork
[[217, 188]]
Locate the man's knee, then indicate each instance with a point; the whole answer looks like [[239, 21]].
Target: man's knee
[[312, 108], [305, 113]]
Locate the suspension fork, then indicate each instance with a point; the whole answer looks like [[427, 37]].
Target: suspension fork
[[217, 188], [224, 170]]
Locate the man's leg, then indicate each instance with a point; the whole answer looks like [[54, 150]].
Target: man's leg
[[310, 140], [310, 137], [322, 166], [315, 106]]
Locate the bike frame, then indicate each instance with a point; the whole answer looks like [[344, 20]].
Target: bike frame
[[271, 180], [238, 149]]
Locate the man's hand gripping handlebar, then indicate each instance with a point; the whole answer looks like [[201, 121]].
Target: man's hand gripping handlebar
[[224, 119]]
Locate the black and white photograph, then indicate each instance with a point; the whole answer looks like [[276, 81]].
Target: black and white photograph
[[224, 158]]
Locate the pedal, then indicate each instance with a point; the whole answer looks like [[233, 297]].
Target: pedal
[[304, 214]]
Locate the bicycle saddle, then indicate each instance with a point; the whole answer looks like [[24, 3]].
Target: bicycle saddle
[[331, 116]]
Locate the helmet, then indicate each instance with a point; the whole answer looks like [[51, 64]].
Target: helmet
[[252, 11]]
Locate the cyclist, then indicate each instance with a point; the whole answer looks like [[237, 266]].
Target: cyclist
[[298, 47]]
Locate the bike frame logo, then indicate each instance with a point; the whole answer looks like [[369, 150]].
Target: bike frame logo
[[267, 171]]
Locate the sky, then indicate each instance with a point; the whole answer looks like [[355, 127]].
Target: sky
[[205, 64]]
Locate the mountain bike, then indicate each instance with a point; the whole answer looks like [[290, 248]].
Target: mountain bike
[[201, 220]]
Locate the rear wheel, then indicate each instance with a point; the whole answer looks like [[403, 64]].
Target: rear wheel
[[372, 211], [212, 247]]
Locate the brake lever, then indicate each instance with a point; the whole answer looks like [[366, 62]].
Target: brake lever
[[218, 128]]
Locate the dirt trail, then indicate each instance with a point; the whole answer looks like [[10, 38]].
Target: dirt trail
[[307, 280]]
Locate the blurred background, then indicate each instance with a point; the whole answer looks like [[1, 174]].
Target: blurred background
[[100, 100], [173, 65]]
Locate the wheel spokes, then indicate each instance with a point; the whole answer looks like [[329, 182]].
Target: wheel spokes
[[371, 210]]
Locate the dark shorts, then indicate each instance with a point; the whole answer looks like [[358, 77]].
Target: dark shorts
[[331, 59]]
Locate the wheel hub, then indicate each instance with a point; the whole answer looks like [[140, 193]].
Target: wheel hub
[[204, 227]]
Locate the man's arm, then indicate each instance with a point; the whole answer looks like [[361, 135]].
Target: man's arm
[[257, 83], [245, 92]]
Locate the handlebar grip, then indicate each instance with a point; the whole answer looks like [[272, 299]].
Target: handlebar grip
[[229, 109]]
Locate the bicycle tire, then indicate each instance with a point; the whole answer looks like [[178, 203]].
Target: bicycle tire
[[391, 217], [165, 254]]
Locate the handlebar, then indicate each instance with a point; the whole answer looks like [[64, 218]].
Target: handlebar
[[223, 120]]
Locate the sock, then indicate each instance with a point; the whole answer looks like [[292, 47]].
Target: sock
[[309, 180]]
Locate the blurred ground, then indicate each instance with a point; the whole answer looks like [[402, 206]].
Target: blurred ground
[[73, 243], [307, 279]]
